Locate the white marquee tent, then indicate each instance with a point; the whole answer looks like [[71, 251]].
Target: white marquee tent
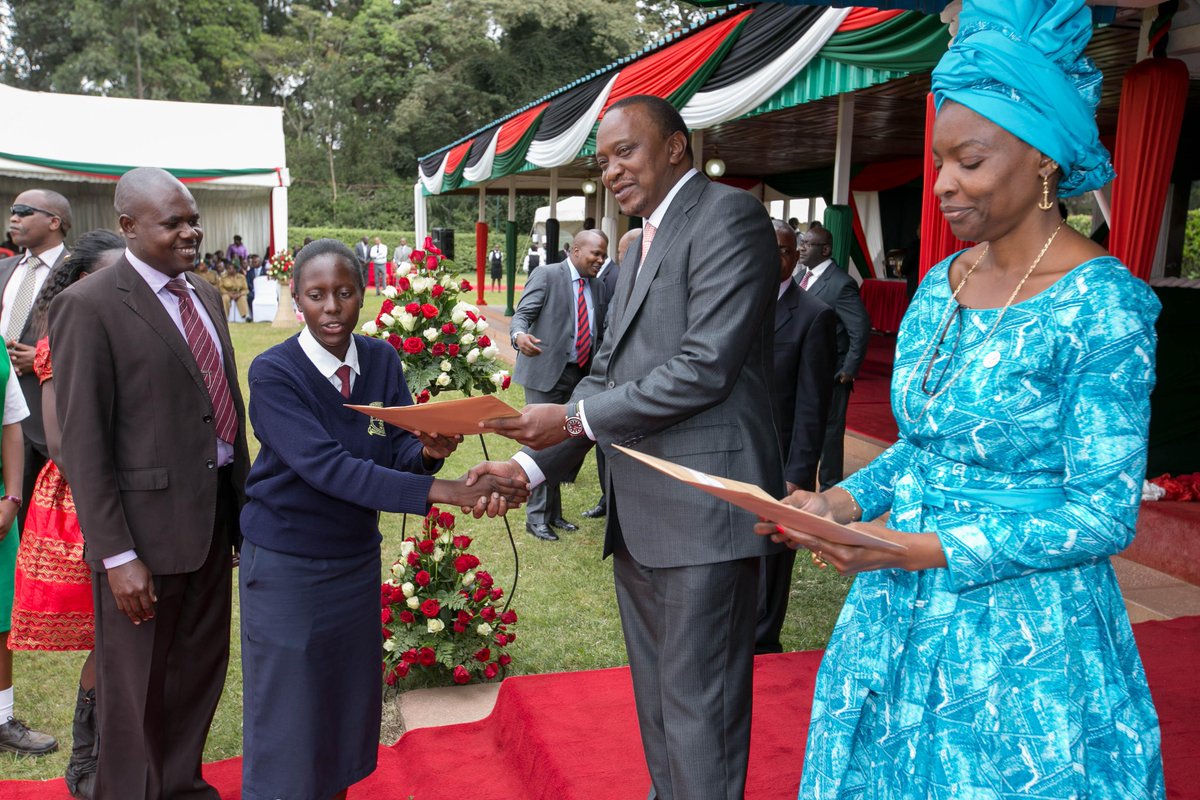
[[231, 157]]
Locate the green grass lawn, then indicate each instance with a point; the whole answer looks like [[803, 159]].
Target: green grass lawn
[[565, 600]]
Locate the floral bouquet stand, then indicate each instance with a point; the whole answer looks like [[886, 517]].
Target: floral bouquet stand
[[279, 269]]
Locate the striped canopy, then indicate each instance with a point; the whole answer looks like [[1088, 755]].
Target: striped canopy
[[739, 62], [924, 6]]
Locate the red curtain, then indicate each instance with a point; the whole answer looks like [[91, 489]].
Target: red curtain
[[860, 18], [1153, 96], [937, 241], [481, 252]]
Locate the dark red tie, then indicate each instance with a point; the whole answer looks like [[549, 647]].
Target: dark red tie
[[208, 360], [583, 331], [343, 373]]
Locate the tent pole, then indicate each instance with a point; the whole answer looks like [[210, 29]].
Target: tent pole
[[510, 244], [420, 220], [843, 152], [481, 248]]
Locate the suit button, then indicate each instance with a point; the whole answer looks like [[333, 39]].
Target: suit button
[[207, 418], [210, 464], [612, 384]]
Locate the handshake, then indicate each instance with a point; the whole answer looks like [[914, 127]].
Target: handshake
[[492, 488]]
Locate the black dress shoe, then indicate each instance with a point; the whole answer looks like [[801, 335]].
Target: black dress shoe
[[541, 531], [563, 525], [599, 510], [16, 737]]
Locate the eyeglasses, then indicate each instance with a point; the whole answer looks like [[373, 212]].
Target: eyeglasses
[[22, 210], [953, 320]]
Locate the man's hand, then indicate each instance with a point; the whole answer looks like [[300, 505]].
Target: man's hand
[[540, 425], [133, 588], [496, 504], [21, 356], [527, 343], [436, 446], [791, 487], [844, 377]]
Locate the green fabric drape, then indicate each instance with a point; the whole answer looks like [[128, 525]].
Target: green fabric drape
[[841, 228], [117, 170], [910, 42]]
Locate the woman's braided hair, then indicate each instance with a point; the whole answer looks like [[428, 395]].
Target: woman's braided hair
[[82, 258]]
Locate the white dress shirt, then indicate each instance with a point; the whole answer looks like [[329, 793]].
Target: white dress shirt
[[48, 257], [816, 271], [379, 253], [15, 408], [326, 362]]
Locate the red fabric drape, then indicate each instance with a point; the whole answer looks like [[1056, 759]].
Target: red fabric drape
[[861, 236], [883, 175], [860, 18], [937, 241], [481, 251], [512, 130], [1153, 97], [456, 156]]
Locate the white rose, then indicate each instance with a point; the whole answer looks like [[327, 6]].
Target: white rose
[[407, 321], [387, 319], [406, 547], [468, 579], [445, 366], [389, 645], [491, 351], [408, 589], [389, 292], [398, 569], [444, 538], [447, 280], [443, 380], [413, 602], [458, 314], [481, 325], [466, 338], [468, 325], [473, 356], [438, 554], [422, 285], [370, 328], [498, 378], [435, 625], [432, 334], [484, 629]]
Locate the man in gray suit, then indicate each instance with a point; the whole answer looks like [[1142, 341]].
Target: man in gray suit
[[826, 281], [39, 221], [684, 374], [557, 327]]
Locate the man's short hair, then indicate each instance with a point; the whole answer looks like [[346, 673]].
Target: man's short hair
[[664, 115]]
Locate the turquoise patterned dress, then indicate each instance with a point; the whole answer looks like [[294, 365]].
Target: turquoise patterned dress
[[1013, 672]]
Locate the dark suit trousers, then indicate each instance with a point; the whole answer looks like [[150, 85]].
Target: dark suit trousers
[[775, 586], [545, 502], [832, 462], [689, 633], [159, 682]]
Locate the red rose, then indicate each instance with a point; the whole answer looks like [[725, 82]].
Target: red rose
[[413, 559], [471, 315], [512, 637], [387, 307], [488, 614], [437, 290], [413, 308], [501, 639], [507, 380], [426, 657], [461, 675], [403, 284], [482, 655], [423, 397], [390, 679], [426, 546], [509, 617], [449, 329], [417, 256], [484, 341], [446, 520], [465, 286], [438, 350], [402, 670], [409, 656], [431, 607], [385, 616], [422, 578], [491, 671], [387, 634], [462, 542], [480, 594], [453, 350], [497, 593], [407, 617], [431, 263], [428, 311], [395, 341], [460, 627], [413, 345], [484, 579], [465, 562], [464, 616], [505, 659]]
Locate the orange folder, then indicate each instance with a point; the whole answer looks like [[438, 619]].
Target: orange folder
[[447, 418]]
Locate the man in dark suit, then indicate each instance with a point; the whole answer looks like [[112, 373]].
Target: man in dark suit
[[805, 354], [684, 374], [154, 444], [362, 251], [609, 274], [826, 281], [557, 327], [39, 222]]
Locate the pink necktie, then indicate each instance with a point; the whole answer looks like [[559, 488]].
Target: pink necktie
[[804, 280], [208, 360], [343, 373], [648, 231]]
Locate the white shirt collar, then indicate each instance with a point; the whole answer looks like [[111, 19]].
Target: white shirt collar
[[656, 216], [48, 256], [574, 272], [150, 275], [783, 286], [326, 362], [819, 269]]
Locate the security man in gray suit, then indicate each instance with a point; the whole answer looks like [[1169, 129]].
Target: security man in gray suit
[[685, 374], [826, 281], [557, 327]]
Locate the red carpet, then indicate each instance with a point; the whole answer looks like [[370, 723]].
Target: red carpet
[[870, 409], [573, 736]]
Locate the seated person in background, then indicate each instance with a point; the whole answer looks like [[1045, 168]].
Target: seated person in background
[[234, 289], [204, 270]]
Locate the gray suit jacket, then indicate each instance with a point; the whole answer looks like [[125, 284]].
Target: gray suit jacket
[[547, 310], [838, 290], [684, 373], [33, 427]]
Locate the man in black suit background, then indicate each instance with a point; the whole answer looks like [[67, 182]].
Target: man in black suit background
[[39, 221], [802, 387], [831, 284]]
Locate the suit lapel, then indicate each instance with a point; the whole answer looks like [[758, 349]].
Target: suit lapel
[[786, 305], [142, 302]]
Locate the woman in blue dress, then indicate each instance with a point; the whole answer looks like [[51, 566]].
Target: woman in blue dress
[[994, 658]]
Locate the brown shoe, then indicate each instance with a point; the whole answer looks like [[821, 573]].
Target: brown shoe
[[16, 737]]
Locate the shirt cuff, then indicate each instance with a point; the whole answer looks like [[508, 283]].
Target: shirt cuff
[[120, 558], [532, 470], [583, 418]]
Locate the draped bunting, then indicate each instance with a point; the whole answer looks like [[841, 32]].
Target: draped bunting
[[737, 62], [1153, 98], [937, 241], [115, 171]]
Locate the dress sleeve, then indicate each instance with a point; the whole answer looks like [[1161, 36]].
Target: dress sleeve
[[873, 486], [41, 360], [1108, 373]]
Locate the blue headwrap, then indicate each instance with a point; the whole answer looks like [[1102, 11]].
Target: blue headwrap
[[1020, 64]]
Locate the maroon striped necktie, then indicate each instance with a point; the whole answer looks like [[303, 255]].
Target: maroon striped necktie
[[583, 331], [208, 360]]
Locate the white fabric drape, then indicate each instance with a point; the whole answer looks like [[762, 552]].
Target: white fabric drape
[[564, 148], [433, 183], [868, 214], [482, 170]]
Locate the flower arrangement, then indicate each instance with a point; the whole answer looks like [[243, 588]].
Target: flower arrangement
[[279, 266], [441, 339], [441, 614]]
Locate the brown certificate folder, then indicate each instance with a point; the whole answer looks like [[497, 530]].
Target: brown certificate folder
[[755, 500], [447, 418]]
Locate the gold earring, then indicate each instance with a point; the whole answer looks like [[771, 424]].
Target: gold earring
[[1045, 204]]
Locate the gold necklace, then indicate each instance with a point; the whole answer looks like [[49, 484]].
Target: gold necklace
[[945, 319]]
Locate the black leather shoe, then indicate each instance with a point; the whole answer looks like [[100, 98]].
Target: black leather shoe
[[540, 531], [599, 510], [563, 525], [16, 737]]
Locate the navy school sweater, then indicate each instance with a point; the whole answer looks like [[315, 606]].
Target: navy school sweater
[[325, 471]]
